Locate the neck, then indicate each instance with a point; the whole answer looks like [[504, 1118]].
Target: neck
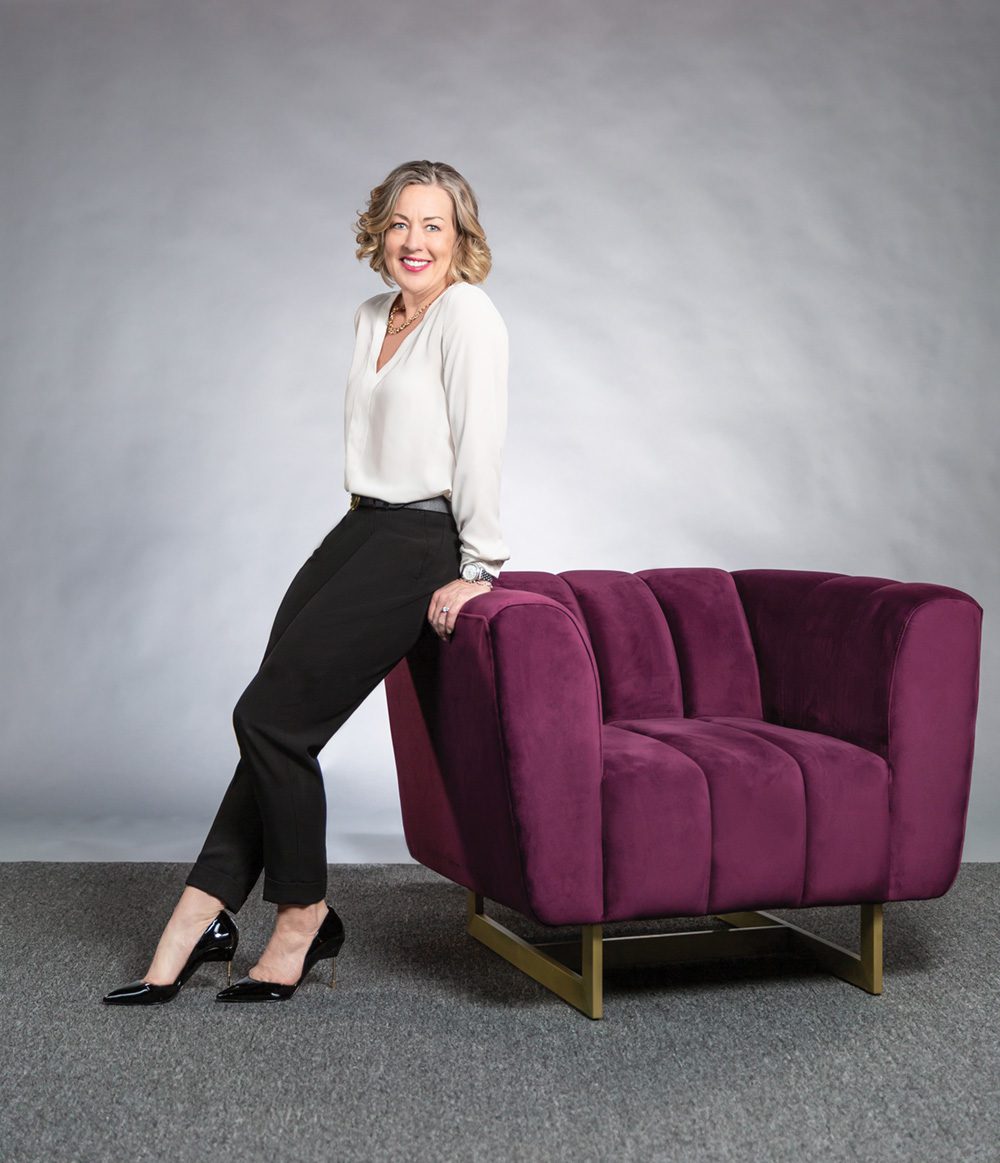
[[412, 303]]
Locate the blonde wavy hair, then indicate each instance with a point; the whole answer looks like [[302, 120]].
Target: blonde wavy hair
[[472, 260]]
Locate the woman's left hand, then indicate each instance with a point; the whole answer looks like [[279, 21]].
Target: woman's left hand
[[454, 595]]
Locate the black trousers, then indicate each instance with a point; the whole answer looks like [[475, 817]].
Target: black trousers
[[354, 609]]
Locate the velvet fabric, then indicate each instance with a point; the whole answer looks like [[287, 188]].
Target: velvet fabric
[[599, 745]]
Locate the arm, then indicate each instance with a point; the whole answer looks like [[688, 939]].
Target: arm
[[497, 740], [474, 369], [893, 667]]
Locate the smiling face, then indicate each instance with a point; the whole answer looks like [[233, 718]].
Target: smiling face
[[420, 241]]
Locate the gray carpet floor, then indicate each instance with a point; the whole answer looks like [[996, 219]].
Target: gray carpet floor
[[433, 1048]]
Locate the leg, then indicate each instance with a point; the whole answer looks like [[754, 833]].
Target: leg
[[354, 610], [366, 616], [232, 856]]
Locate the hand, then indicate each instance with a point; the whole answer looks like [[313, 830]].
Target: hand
[[454, 595]]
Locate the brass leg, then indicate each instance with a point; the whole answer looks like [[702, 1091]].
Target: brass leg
[[862, 969], [583, 990]]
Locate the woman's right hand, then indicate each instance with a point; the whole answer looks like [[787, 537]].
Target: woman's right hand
[[448, 600]]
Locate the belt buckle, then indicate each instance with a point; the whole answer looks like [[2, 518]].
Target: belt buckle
[[355, 500]]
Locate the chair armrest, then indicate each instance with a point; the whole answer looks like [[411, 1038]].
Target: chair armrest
[[497, 740], [893, 667]]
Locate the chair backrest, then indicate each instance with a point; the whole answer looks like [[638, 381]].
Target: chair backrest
[[668, 642]]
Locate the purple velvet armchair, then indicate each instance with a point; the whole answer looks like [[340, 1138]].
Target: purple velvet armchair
[[599, 746]]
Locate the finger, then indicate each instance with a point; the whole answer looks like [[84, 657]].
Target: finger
[[452, 616], [447, 618]]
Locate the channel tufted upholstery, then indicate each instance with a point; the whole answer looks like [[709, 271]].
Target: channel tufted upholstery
[[598, 746]]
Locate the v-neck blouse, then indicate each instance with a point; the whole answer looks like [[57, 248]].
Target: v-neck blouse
[[433, 420]]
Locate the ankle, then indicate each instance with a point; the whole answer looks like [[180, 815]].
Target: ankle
[[300, 917], [195, 905]]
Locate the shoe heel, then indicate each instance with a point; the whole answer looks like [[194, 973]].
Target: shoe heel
[[229, 972], [333, 972]]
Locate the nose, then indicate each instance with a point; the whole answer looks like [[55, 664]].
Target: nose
[[413, 241]]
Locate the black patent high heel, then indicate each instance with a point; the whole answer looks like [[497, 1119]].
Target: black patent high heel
[[217, 943], [326, 944]]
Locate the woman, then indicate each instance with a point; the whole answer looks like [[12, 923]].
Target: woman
[[425, 417]]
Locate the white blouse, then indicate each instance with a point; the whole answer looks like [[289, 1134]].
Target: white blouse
[[432, 422]]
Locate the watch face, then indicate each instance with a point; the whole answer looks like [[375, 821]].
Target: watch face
[[468, 572]]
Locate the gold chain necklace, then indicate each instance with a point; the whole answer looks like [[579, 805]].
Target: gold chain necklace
[[390, 330]]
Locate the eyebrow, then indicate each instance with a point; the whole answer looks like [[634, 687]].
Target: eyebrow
[[427, 219]]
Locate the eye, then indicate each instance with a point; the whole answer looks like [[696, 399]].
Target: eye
[[433, 226]]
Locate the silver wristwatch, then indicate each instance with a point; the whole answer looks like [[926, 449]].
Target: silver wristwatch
[[472, 572]]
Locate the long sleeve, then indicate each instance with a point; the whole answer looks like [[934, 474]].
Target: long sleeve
[[475, 355]]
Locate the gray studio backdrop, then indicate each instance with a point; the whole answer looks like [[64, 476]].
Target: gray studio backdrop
[[748, 258]]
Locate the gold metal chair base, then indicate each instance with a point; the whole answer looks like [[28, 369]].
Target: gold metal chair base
[[575, 969]]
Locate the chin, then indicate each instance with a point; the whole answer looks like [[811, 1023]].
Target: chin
[[418, 281]]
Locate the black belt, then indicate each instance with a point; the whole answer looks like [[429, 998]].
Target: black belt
[[437, 504]]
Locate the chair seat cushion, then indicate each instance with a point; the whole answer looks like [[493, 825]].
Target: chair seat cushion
[[717, 813]]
